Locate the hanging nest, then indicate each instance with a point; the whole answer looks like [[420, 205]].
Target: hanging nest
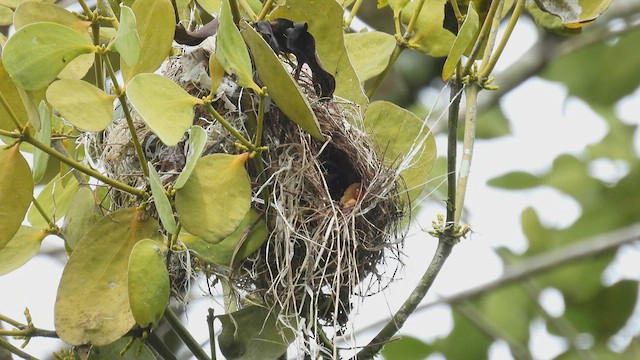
[[333, 208]]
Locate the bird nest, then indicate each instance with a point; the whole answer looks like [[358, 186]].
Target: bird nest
[[333, 207]]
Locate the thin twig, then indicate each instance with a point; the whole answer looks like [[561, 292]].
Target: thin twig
[[184, 335], [7, 345], [160, 347]]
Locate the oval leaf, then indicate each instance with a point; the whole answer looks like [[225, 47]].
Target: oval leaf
[[430, 36], [92, 305], [82, 104], [6, 16], [195, 147], [136, 350], [160, 199], [148, 283], [244, 241], [369, 52], [41, 158], [466, 35], [231, 51], [575, 13], [404, 141], [216, 198], [155, 25], [164, 106], [34, 12], [12, 95], [23, 246], [80, 217], [280, 85], [16, 191], [127, 42], [36, 54]]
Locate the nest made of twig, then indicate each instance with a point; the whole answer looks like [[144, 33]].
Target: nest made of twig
[[333, 208]]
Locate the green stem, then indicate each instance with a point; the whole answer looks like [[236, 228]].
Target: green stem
[[127, 114], [87, 170], [10, 321], [43, 213], [482, 36], [226, 125], [26, 332], [493, 33], [248, 9], [265, 10], [457, 12], [414, 19], [353, 12], [99, 71], [212, 335], [452, 150], [487, 68], [5, 344], [471, 97], [12, 115], [392, 60], [85, 7], [184, 335], [260, 126]]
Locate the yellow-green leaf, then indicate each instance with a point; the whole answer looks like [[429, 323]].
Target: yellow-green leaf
[[195, 146], [41, 158], [253, 333], [16, 191], [80, 217], [23, 246], [127, 42], [33, 12], [575, 13], [160, 199], [231, 52], [244, 241], [148, 282], [164, 106], [54, 200], [210, 6], [136, 350], [155, 24], [6, 16], [327, 31], [92, 305], [35, 54], [12, 95], [280, 85], [466, 35], [216, 198], [369, 52], [405, 143], [430, 36], [82, 104], [216, 72]]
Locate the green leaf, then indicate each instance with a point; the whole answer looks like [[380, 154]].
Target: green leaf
[[127, 41], [164, 106], [253, 333], [398, 5], [240, 244], [549, 21], [280, 85], [430, 36], [16, 191], [54, 199], [586, 75], [406, 348], [576, 13], [12, 95], [369, 52], [404, 142], [195, 146], [210, 6], [217, 196], [509, 309], [136, 350], [231, 51], [517, 180], [35, 54], [160, 199], [80, 217], [33, 12], [6, 16], [92, 305], [21, 248], [82, 104], [216, 72], [327, 31], [466, 35], [148, 283], [155, 25], [41, 158], [476, 343]]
